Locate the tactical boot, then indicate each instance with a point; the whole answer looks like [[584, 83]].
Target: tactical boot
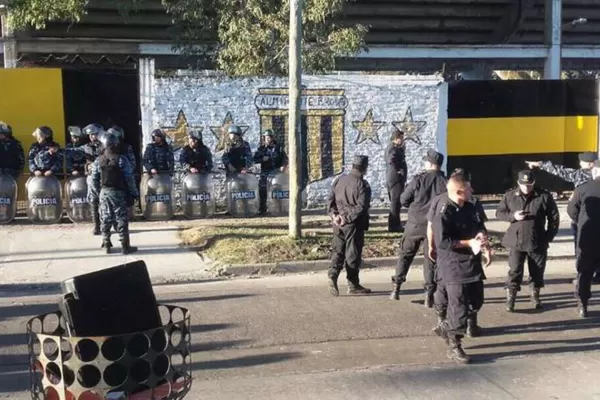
[[440, 328], [357, 289], [582, 309], [511, 297], [535, 298], [455, 351], [473, 330], [96, 222], [106, 245], [429, 298], [395, 295], [126, 247], [333, 287]]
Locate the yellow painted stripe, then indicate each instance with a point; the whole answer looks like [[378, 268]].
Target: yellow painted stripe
[[523, 135], [337, 143], [314, 148]]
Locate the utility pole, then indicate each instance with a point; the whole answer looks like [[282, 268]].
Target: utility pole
[[7, 41], [294, 121]]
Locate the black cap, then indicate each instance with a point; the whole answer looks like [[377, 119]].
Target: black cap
[[434, 157], [526, 177], [588, 156], [363, 161]]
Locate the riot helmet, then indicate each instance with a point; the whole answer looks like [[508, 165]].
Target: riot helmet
[[117, 131], [75, 132], [194, 136], [234, 131], [93, 130], [43, 133], [268, 136], [5, 129], [109, 139]]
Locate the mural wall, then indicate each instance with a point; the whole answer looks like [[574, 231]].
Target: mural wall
[[342, 115]]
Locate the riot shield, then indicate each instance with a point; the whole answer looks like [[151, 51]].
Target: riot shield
[[197, 196], [278, 193], [45, 200], [78, 208], [242, 195], [8, 198], [157, 197]]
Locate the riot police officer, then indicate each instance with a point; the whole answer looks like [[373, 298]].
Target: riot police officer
[[113, 186], [12, 157], [396, 173], [584, 210], [349, 203], [417, 198], [271, 157], [459, 235], [124, 148], [92, 150], [195, 157], [158, 157], [237, 156], [528, 209], [45, 156], [74, 153]]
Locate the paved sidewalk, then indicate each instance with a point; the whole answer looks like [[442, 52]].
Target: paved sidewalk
[[38, 254]]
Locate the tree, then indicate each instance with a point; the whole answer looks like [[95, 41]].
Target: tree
[[241, 37]]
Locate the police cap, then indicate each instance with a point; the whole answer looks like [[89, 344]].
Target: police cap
[[588, 156], [434, 157], [526, 177], [361, 160], [117, 131], [235, 130], [93, 129]]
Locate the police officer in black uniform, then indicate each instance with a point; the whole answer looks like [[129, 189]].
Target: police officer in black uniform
[[271, 157], [349, 204], [396, 173], [417, 198], [584, 210], [459, 236], [528, 208]]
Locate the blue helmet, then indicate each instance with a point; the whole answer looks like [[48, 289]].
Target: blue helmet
[[235, 130], [75, 131], [195, 134], [108, 139]]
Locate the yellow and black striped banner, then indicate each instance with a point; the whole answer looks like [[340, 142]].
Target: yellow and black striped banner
[[495, 126]]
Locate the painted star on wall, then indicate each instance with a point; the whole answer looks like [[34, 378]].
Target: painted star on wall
[[368, 128], [178, 133], [220, 132], [410, 127]]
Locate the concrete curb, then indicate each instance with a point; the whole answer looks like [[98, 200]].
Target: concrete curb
[[291, 267]]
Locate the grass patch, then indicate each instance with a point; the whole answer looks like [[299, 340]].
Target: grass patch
[[255, 241]]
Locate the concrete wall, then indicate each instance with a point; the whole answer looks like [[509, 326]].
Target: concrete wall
[[352, 114]]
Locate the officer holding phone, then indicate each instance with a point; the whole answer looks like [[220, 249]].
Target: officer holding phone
[[528, 208]]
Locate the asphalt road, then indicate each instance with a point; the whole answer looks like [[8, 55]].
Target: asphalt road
[[285, 338]]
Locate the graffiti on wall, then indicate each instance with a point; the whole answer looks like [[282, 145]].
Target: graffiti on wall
[[323, 114], [368, 128]]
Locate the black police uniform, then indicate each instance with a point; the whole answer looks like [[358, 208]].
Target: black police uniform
[[350, 198], [460, 270], [441, 296], [584, 209], [396, 173], [417, 198], [528, 239]]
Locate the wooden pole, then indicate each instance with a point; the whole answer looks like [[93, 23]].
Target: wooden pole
[[294, 121]]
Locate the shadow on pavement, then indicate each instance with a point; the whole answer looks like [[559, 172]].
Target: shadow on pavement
[[207, 298], [247, 361]]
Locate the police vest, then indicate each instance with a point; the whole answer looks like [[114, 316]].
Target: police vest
[[111, 174]]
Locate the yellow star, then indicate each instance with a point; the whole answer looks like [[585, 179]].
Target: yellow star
[[178, 133], [410, 127], [368, 128], [220, 132]]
